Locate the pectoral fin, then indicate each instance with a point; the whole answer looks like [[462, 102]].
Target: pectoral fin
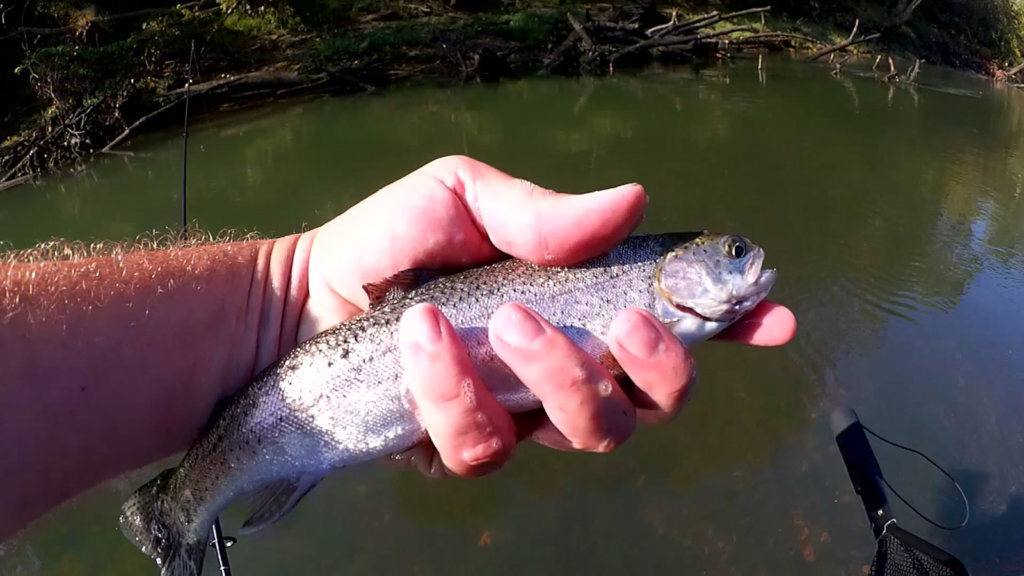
[[423, 457], [278, 499]]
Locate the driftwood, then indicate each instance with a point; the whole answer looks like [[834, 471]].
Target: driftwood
[[837, 65], [5, 184], [913, 71], [672, 22], [1013, 71], [584, 37], [675, 26], [674, 40], [670, 34], [595, 42], [140, 122], [893, 75], [704, 21], [767, 36], [551, 61], [852, 40]]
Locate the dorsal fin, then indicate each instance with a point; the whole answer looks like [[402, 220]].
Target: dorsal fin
[[398, 284]]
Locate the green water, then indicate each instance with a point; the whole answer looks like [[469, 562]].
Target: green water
[[895, 221]]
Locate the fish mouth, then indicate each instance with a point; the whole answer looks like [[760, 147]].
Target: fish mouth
[[742, 302], [757, 290], [765, 281], [691, 312], [759, 280]]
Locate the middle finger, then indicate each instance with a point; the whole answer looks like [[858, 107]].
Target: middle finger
[[579, 396]]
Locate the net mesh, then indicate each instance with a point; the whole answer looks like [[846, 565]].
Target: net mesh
[[903, 554]]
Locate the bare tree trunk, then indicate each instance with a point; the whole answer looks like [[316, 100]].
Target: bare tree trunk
[[905, 9]]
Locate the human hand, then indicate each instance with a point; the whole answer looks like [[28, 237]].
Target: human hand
[[455, 213]]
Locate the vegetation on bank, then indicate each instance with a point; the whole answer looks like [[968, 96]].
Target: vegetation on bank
[[81, 76]]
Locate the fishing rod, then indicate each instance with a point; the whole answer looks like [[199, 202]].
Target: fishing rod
[[184, 144], [220, 544], [218, 541]]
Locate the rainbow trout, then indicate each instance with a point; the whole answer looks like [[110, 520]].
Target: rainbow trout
[[338, 400]]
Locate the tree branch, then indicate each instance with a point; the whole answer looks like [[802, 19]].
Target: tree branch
[[845, 44]]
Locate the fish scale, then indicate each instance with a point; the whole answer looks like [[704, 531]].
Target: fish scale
[[338, 399]]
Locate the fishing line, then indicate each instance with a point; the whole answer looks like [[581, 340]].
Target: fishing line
[[218, 542], [192, 61], [967, 506]]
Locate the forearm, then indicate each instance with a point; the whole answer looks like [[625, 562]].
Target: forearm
[[111, 363]]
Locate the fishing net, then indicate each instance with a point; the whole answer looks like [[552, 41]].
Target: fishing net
[[901, 553]]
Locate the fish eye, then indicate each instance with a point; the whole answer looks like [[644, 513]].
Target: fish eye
[[736, 248]]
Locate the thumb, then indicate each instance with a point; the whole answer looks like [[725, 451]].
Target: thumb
[[537, 224]]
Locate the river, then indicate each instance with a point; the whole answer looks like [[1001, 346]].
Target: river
[[893, 215]]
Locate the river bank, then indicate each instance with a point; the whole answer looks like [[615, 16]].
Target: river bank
[[110, 77]]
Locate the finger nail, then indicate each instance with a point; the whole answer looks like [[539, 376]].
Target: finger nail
[[641, 338], [620, 187], [519, 327], [424, 329]]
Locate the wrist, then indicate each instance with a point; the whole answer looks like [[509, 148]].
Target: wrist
[[278, 292]]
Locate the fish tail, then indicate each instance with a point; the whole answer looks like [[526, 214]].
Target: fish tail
[[154, 520]]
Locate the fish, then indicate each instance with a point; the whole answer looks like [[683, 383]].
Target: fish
[[337, 399]]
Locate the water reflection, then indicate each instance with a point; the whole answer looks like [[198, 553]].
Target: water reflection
[[895, 220]]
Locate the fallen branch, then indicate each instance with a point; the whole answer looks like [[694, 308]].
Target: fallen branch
[[845, 44], [837, 66], [552, 60], [584, 37], [673, 40], [912, 72], [304, 87], [687, 27], [54, 133], [15, 181], [663, 39], [1013, 71], [772, 35], [135, 125], [853, 34], [893, 73], [696, 22], [672, 22]]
